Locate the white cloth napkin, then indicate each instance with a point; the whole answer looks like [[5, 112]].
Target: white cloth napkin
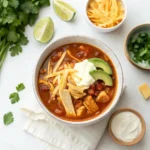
[[58, 136]]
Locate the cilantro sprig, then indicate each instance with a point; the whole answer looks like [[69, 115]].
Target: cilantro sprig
[[14, 16], [20, 87], [14, 97], [8, 118]]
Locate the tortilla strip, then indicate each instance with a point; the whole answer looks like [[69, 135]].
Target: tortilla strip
[[59, 62], [63, 81], [71, 80], [76, 95], [61, 67], [76, 91], [69, 66], [79, 89], [58, 79], [49, 67], [67, 102], [51, 86], [58, 73], [55, 79], [76, 76], [55, 91]]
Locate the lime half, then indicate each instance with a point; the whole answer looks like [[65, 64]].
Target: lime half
[[65, 11], [43, 30]]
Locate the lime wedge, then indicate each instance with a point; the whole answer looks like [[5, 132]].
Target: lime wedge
[[43, 30], [65, 11]]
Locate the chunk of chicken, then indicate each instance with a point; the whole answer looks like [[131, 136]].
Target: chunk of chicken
[[90, 104], [81, 111], [102, 97]]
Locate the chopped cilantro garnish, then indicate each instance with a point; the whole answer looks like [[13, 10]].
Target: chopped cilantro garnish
[[139, 48], [20, 87], [8, 118], [14, 97]]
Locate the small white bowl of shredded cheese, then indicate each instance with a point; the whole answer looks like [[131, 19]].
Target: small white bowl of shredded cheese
[[127, 126], [105, 15]]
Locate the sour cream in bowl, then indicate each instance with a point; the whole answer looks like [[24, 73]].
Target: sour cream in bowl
[[127, 127]]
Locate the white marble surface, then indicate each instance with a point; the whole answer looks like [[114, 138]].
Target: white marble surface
[[19, 69]]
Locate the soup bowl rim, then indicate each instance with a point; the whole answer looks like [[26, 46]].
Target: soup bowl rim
[[88, 121]]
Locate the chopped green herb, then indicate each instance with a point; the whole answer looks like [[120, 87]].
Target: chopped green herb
[[14, 97], [140, 46], [133, 40], [20, 87], [143, 52], [147, 56], [139, 40], [136, 46], [8, 118]]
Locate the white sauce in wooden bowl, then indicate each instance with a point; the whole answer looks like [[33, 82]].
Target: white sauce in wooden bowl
[[126, 126]]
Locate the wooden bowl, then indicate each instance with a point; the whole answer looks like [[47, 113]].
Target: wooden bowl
[[134, 31], [135, 141]]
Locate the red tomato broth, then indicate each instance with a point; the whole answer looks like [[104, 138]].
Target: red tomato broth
[[77, 50]]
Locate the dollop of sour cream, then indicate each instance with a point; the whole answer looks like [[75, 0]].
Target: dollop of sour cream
[[83, 68], [126, 126]]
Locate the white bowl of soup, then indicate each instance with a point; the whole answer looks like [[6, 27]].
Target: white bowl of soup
[[78, 80], [105, 15]]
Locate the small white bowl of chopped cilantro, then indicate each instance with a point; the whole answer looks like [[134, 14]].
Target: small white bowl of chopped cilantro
[[137, 46]]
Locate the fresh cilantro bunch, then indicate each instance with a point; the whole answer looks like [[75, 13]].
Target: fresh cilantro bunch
[[14, 16]]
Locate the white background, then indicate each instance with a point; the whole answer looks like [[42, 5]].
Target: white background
[[20, 69]]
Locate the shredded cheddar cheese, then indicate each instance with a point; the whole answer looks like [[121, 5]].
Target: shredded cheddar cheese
[[59, 62], [105, 13]]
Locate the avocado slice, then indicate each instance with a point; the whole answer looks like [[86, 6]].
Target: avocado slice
[[100, 63], [101, 75]]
